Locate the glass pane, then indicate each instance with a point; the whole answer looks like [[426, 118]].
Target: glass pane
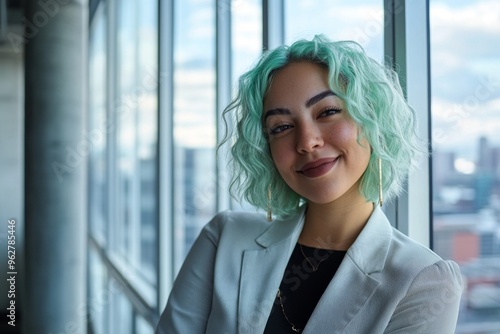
[[96, 135], [194, 121], [465, 63], [358, 20], [99, 297], [136, 222], [121, 312], [142, 326], [246, 21], [147, 136], [126, 114]]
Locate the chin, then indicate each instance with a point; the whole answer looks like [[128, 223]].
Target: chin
[[322, 199]]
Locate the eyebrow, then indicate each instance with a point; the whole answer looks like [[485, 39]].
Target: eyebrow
[[277, 111], [313, 100], [316, 98]]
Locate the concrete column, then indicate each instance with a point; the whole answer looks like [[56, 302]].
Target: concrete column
[[11, 179], [56, 151]]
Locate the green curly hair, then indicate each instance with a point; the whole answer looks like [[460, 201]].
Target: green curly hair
[[373, 98]]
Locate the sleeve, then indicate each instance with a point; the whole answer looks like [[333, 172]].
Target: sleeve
[[431, 303], [190, 300]]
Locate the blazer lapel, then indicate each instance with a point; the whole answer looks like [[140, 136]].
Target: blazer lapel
[[346, 294], [352, 285], [262, 270]]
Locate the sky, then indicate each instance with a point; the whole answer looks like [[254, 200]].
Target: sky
[[465, 69]]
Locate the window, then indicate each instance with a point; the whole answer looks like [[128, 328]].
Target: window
[[135, 226], [465, 64], [360, 20], [98, 295], [123, 175], [121, 314], [98, 185], [246, 19], [246, 47], [147, 141], [194, 122], [97, 129], [142, 326]]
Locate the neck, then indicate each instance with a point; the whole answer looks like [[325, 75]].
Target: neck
[[335, 225]]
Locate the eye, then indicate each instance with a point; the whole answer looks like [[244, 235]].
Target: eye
[[329, 111], [277, 129]]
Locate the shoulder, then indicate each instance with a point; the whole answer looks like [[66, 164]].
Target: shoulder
[[396, 258], [421, 266], [430, 297], [404, 248], [251, 230], [237, 219], [425, 288], [238, 225]]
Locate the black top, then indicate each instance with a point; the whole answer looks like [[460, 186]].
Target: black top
[[302, 287]]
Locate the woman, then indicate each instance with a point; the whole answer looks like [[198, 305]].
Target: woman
[[323, 133]]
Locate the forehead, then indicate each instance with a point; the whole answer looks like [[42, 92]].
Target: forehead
[[297, 81]]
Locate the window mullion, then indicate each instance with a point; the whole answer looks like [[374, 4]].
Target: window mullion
[[223, 49], [165, 150], [407, 45], [273, 20]]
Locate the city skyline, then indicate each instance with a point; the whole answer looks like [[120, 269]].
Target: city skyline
[[469, 165]]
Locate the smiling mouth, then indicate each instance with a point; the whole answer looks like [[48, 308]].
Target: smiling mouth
[[318, 168]]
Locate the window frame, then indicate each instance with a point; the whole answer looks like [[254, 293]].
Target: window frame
[[406, 45]]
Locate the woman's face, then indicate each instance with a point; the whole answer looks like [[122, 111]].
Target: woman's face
[[313, 140]]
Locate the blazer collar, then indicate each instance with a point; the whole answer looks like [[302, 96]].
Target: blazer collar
[[281, 229], [369, 250], [262, 270]]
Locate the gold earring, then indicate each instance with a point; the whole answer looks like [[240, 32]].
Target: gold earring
[[269, 211], [380, 199]]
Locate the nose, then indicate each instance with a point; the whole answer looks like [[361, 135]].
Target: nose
[[309, 138]]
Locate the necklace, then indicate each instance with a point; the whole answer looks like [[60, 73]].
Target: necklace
[[314, 268], [280, 298]]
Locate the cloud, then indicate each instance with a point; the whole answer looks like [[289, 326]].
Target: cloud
[[463, 34], [458, 129], [465, 62]]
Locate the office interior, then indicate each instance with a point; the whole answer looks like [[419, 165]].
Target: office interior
[[110, 115]]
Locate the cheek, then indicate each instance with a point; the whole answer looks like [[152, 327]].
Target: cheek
[[275, 153], [280, 156], [344, 133]]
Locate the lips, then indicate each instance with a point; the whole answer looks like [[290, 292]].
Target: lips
[[318, 167]]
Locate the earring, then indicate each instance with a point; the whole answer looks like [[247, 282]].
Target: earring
[[380, 199], [269, 211]]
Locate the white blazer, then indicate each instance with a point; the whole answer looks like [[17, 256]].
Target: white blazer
[[386, 283]]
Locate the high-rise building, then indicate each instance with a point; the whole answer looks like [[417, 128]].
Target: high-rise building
[[485, 156], [443, 166]]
